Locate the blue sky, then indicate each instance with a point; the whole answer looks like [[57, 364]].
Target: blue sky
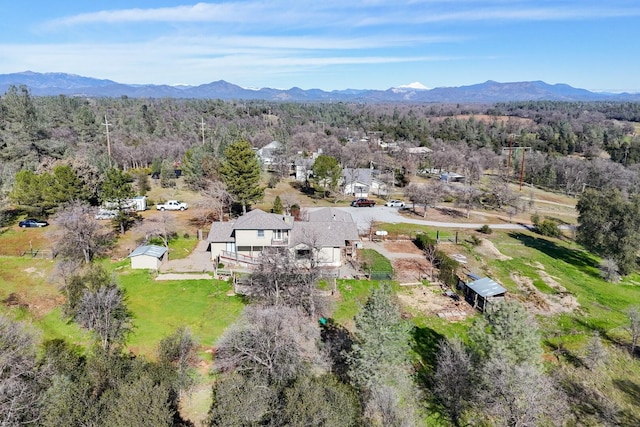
[[328, 44]]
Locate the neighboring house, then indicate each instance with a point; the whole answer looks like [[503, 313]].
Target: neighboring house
[[451, 177], [147, 257], [325, 240], [362, 183], [303, 169], [269, 153]]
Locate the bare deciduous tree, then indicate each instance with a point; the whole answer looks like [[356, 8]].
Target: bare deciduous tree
[[104, 312], [467, 198], [426, 195], [216, 198], [633, 327], [453, 379], [289, 200], [179, 350], [387, 406], [279, 280], [80, 235], [163, 227], [273, 343], [22, 382], [596, 354], [519, 394]]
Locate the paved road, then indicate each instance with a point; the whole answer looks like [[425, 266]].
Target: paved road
[[362, 217]]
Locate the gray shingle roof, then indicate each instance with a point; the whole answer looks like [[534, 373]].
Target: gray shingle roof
[[362, 175], [221, 232], [150, 250], [324, 234], [261, 220], [329, 214]]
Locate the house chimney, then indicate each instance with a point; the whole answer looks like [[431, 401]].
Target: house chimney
[[288, 219]]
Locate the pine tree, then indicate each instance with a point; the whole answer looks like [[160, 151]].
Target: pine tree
[[508, 331], [277, 206], [381, 341], [241, 172], [116, 189], [326, 172]]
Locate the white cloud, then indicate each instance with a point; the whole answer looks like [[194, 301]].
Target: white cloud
[[325, 14]]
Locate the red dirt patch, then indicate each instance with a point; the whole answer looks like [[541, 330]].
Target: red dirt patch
[[402, 246], [411, 270]]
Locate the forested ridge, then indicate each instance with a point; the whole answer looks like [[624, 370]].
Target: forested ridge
[[37, 130], [280, 361]]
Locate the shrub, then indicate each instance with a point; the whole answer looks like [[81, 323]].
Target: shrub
[[548, 228], [485, 229], [423, 241], [186, 235], [273, 181], [475, 240], [448, 268]]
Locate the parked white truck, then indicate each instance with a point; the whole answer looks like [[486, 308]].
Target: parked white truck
[[172, 205]]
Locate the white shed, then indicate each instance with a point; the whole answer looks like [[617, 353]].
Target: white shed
[[147, 257]]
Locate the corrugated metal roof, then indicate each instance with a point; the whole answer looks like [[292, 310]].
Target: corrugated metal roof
[[473, 276], [486, 287], [150, 250]]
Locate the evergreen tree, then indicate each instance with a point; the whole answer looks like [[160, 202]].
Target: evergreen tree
[[506, 331], [326, 172], [381, 340], [116, 190], [609, 226], [142, 182], [167, 175], [29, 192], [65, 186], [241, 172], [277, 206]]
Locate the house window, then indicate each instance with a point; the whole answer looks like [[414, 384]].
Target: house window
[[260, 233], [303, 254]]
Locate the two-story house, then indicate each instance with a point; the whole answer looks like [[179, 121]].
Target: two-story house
[[325, 240]]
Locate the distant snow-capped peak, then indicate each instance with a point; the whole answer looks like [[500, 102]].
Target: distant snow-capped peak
[[409, 89], [413, 86]]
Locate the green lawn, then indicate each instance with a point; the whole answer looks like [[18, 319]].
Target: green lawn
[[602, 304], [159, 307], [374, 261]]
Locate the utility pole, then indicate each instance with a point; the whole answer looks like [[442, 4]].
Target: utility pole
[[106, 125], [522, 169], [202, 129]]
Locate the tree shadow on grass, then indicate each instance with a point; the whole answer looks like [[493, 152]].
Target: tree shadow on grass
[[577, 258], [425, 344], [630, 388], [562, 352]]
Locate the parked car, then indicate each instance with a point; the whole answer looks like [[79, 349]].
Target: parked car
[[106, 214], [172, 205], [32, 222], [395, 203], [363, 202]]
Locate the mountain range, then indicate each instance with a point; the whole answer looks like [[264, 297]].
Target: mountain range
[[52, 84]]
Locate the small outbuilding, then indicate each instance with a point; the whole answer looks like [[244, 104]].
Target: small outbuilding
[[482, 292], [147, 257]]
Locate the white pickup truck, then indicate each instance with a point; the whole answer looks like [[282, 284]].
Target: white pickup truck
[[172, 205]]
